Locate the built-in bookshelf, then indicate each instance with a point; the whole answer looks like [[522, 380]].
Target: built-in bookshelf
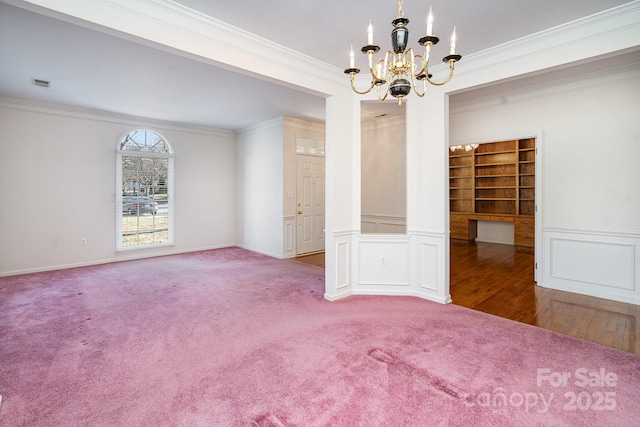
[[495, 182], [461, 181], [526, 176]]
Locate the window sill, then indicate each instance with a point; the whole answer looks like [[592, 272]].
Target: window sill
[[143, 248]]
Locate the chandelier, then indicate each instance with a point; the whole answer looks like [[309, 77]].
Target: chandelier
[[467, 147], [399, 70]]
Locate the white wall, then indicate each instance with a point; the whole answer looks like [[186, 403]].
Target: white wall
[[57, 183], [384, 178], [495, 232], [260, 188], [590, 203]]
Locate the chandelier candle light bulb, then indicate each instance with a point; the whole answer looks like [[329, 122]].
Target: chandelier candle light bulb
[[401, 70], [452, 51]]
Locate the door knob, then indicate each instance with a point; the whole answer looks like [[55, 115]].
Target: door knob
[[299, 212]]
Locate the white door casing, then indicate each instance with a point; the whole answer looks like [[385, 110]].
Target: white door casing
[[310, 204]]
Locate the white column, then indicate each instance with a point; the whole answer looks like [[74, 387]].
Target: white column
[[427, 198], [342, 153]]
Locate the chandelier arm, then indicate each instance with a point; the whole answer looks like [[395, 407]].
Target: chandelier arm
[[384, 63], [412, 70], [388, 66], [415, 87], [353, 85], [451, 66], [386, 92], [371, 70], [424, 65], [381, 66], [391, 64], [408, 60]]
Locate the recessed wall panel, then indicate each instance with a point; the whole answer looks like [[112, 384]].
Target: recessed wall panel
[[604, 264], [384, 263], [343, 262], [429, 266]]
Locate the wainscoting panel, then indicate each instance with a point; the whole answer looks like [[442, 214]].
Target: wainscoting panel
[[603, 264], [343, 264], [383, 224], [428, 253], [339, 274], [368, 227], [384, 261], [430, 275], [289, 237], [596, 263]]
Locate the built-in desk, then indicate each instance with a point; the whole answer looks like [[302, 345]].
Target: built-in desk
[[465, 227]]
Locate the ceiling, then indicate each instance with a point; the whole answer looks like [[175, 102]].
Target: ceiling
[[95, 70]]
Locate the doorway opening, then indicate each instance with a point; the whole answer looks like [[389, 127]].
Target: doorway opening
[[310, 191], [492, 203]]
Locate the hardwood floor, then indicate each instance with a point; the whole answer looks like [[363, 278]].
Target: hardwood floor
[[498, 279], [313, 259]]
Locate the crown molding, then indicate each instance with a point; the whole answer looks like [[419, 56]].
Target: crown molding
[[621, 23], [276, 122], [170, 25], [108, 117], [498, 97], [304, 124], [285, 121]]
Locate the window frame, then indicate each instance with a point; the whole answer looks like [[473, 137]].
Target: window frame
[[169, 155]]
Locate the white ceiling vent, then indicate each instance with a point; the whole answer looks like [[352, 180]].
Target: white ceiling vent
[[40, 82]]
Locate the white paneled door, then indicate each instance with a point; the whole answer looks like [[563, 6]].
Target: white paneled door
[[310, 214]]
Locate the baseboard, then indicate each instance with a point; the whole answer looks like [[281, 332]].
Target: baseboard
[[130, 256], [271, 254], [337, 296]]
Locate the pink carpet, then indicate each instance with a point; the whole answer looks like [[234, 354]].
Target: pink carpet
[[233, 338]]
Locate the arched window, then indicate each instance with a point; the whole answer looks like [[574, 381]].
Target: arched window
[[144, 191]]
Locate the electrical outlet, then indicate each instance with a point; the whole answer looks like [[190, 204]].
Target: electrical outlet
[[383, 261], [83, 241]]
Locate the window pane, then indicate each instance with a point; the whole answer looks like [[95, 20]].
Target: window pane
[[144, 185], [145, 141], [145, 216]]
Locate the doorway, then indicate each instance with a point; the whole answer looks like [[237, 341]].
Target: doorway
[[310, 190], [493, 191]]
